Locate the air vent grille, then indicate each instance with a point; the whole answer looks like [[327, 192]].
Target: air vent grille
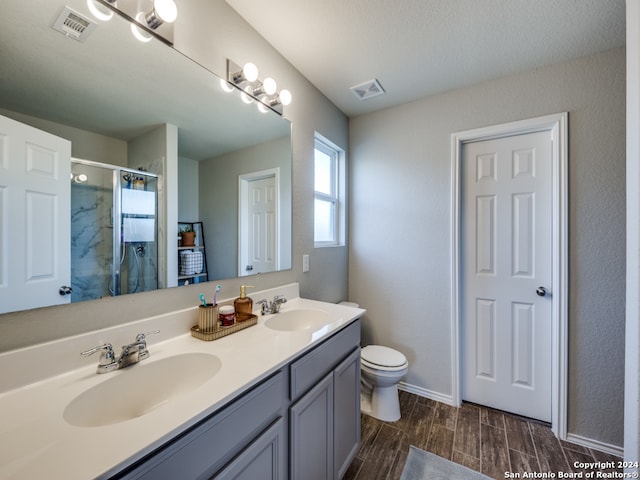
[[367, 90], [73, 24]]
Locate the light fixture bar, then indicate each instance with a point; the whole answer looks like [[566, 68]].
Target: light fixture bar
[[245, 79]]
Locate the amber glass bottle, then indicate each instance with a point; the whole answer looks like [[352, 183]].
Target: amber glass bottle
[[243, 305]]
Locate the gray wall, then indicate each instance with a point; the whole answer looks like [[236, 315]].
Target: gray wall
[[210, 32], [399, 256]]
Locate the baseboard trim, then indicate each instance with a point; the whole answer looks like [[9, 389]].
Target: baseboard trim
[[595, 444], [571, 437], [430, 394]]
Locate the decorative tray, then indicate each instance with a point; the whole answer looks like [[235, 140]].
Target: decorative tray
[[223, 331]]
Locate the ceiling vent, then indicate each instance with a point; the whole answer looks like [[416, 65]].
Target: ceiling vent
[[368, 90], [73, 24]]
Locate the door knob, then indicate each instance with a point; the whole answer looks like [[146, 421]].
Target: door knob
[[541, 291], [64, 290]]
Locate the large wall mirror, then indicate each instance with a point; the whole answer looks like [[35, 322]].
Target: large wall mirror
[[144, 118]]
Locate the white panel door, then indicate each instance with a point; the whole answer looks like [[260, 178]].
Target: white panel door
[[34, 217], [262, 225], [506, 262]]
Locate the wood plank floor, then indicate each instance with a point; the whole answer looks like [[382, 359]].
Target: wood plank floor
[[480, 438]]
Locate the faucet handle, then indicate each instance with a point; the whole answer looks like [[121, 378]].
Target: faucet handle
[[142, 336], [107, 361], [278, 300], [264, 306], [107, 347]]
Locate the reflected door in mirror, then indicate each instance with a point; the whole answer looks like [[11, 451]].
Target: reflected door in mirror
[[34, 217]]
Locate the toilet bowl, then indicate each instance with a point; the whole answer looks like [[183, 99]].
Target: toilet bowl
[[381, 370]]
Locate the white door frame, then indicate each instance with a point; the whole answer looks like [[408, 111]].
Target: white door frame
[[243, 217], [557, 125]]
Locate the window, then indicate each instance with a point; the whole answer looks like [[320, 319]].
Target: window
[[329, 194]]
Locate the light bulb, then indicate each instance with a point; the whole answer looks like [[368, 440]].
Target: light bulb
[[285, 97], [226, 86], [166, 10], [137, 32], [262, 108], [269, 86], [250, 72], [99, 11], [246, 98], [163, 11]]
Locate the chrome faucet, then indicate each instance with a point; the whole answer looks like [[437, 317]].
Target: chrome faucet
[[131, 354], [273, 306]]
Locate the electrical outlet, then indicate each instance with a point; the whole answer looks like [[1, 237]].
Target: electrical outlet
[[305, 263]]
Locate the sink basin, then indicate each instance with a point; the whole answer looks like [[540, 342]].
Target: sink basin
[[140, 389], [296, 320]]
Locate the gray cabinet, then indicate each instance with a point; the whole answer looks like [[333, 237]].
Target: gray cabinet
[[302, 423], [324, 422]]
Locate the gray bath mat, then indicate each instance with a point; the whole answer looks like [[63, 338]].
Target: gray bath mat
[[423, 465]]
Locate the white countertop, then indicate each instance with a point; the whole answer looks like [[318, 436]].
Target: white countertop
[[36, 441]]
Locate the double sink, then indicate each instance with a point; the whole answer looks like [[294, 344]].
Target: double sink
[[143, 388]]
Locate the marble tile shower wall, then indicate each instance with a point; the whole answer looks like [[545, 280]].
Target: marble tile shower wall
[[92, 249], [91, 241]]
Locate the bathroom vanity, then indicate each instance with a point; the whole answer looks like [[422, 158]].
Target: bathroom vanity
[[279, 400]]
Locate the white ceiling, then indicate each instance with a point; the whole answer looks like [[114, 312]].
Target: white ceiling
[[417, 48]]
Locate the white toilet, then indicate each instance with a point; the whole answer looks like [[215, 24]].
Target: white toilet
[[382, 368]]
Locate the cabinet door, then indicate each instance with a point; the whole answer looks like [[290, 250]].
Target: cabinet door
[[346, 384], [265, 458], [311, 433]]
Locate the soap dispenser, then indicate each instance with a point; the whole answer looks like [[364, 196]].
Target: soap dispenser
[[243, 304]]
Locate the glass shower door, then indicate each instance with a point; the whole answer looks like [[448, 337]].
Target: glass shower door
[[91, 231], [138, 250]]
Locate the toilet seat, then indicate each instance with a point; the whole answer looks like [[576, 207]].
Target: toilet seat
[[378, 357]]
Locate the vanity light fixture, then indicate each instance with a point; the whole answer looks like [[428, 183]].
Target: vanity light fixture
[[265, 92]]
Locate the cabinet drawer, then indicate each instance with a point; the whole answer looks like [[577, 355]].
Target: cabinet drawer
[[211, 444], [308, 370]]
